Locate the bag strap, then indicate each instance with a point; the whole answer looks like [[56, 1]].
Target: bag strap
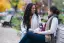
[[51, 21]]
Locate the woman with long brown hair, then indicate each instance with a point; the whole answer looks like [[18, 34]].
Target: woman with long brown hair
[[31, 19]]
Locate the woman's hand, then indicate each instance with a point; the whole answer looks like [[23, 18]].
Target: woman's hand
[[37, 29], [38, 32], [30, 29]]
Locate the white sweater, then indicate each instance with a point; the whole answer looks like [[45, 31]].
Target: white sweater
[[34, 23], [53, 28]]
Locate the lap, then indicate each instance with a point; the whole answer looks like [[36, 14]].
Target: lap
[[31, 37], [37, 37]]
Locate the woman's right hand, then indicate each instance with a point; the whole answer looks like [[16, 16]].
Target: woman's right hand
[[30, 29]]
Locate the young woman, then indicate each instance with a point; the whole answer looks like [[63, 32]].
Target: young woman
[[31, 19], [43, 36]]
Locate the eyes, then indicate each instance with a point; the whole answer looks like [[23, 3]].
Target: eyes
[[33, 7]]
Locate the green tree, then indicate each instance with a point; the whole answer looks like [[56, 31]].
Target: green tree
[[14, 4], [34, 1], [58, 3]]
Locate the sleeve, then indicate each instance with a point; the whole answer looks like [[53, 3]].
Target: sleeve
[[23, 30], [53, 28]]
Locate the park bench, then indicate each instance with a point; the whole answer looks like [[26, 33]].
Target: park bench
[[6, 19]]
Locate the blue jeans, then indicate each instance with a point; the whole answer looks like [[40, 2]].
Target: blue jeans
[[31, 37]]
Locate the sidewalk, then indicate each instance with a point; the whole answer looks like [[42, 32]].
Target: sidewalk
[[8, 35]]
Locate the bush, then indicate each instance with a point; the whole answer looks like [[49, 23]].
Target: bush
[[16, 22], [61, 17]]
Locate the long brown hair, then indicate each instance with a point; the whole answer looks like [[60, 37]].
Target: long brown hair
[[27, 15]]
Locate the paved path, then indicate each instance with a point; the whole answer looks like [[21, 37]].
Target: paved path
[[8, 35]]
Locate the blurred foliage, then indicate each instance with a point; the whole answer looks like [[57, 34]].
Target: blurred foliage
[[18, 3], [17, 22], [21, 5], [58, 3], [34, 1], [4, 4], [61, 17], [21, 13], [14, 2], [43, 20]]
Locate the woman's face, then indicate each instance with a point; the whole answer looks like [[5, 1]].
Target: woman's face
[[33, 9], [49, 12]]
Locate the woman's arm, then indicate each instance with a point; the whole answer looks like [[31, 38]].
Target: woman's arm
[[53, 28], [23, 29]]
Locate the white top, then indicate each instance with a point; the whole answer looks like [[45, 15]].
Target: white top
[[54, 26], [34, 23]]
